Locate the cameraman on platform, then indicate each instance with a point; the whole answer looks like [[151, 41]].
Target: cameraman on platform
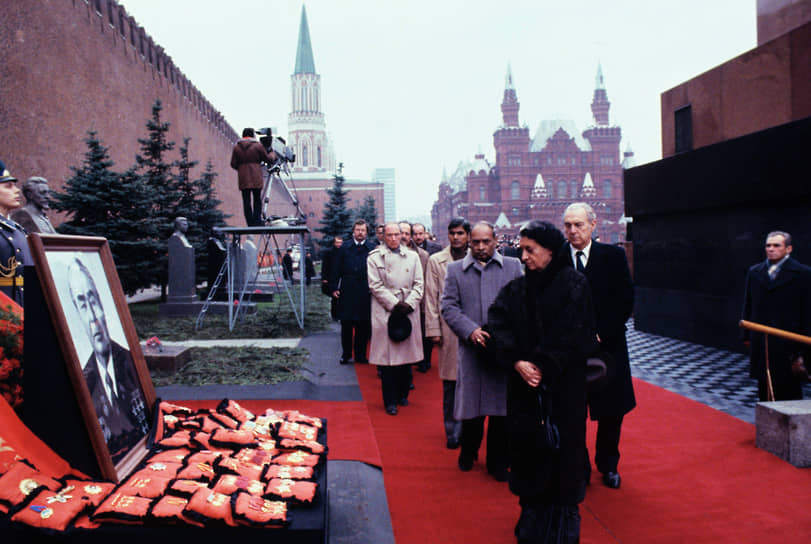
[[246, 159]]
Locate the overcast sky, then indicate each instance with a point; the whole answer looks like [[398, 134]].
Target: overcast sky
[[417, 85]]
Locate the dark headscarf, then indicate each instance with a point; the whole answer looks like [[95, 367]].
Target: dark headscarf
[[546, 235]]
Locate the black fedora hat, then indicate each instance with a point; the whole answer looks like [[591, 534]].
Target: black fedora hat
[[399, 326]]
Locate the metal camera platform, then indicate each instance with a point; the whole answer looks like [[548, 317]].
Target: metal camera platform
[[240, 295]]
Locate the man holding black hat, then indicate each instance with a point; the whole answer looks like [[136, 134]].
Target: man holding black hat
[[14, 253], [396, 284]]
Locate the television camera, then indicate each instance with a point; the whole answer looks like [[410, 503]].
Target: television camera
[[284, 153]]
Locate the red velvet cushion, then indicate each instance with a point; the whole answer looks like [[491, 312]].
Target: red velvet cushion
[[297, 490], [186, 488], [170, 456], [50, 510], [255, 511], [297, 458], [229, 438], [288, 472], [234, 410], [207, 505], [90, 491], [175, 409], [229, 465], [122, 508], [163, 470], [228, 484], [179, 439], [298, 431], [254, 456], [308, 445], [170, 510], [144, 486], [197, 471], [20, 481], [298, 417]]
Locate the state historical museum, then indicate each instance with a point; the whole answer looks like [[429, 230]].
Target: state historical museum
[[536, 178]]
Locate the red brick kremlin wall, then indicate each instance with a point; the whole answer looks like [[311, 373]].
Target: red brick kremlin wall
[[68, 66]]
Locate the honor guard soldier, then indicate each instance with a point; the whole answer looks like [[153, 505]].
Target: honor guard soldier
[[14, 254]]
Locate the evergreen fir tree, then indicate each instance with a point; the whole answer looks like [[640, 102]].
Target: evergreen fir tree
[[207, 215], [184, 186], [368, 212], [155, 171], [337, 219], [101, 202]]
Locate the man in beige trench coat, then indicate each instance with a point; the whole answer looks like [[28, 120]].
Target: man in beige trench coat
[[396, 284], [438, 330]]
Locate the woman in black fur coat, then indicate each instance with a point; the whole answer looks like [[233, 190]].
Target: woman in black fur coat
[[543, 330]]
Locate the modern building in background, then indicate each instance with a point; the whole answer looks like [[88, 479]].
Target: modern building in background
[[536, 177], [315, 166], [388, 207]]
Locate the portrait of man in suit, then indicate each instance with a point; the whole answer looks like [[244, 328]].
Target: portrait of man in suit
[[109, 372]]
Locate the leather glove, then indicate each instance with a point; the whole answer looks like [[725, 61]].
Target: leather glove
[[402, 308]]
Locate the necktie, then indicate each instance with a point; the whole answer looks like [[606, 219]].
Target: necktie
[[110, 386], [578, 258], [772, 271]]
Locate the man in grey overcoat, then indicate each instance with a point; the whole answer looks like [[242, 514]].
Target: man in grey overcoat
[[471, 285]]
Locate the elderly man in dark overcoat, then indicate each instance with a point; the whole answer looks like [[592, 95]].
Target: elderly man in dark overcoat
[[350, 286], [471, 286], [606, 269], [778, 294]]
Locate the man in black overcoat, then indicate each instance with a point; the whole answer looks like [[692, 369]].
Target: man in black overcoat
[[350, 286], [606, 268], [778, 294], [327, 260]]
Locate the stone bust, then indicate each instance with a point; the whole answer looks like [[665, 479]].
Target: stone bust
[[181, 228], [33, 216]]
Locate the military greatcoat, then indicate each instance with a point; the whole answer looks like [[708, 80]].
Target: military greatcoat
[[14, 255]]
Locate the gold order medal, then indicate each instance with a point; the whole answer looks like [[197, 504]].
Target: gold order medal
[[28, 485], [45, 514], [92, 489]]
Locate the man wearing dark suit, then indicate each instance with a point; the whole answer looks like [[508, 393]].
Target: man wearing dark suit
[[110, 372], [606, 268], [350, 287], [778, 294], [421, 239], [327, 263]]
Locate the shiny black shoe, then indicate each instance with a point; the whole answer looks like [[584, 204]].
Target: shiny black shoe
[[346, 361], [403, 401], [452, 443], [391, 410], [612, 480], [465, 464]]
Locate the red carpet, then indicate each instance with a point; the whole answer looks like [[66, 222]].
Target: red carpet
[[690, 474], [349, 431]]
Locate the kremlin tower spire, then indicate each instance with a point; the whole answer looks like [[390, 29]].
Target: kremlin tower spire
[[509, 105], [307, 129], [600, 103]]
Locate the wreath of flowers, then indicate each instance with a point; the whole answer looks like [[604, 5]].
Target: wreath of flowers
[[11, 356]]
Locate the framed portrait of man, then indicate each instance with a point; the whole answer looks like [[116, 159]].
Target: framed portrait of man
[[99, 345]]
